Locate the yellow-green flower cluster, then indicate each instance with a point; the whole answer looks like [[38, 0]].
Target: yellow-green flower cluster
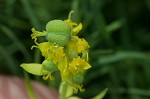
[[64, 51]]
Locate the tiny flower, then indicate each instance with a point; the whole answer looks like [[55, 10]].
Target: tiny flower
[[81, 44], [78, 47], [78, 65], [46, 49], [59, 54]]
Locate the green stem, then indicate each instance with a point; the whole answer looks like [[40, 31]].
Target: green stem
[[30, 90], [63, 91]]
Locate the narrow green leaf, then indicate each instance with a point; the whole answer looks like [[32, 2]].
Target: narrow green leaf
[[121, 55], [101, 94], [117, 24]]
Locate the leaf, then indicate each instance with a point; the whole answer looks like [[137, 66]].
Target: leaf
[[121, 55], [32, 68], [101, 94]]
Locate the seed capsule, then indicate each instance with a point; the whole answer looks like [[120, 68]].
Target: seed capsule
[[58, 32]]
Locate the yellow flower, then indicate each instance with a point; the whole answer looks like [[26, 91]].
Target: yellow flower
[[58, 54], [78, 65], [77, 47], [46, 49], [82, 45], [51, 51]]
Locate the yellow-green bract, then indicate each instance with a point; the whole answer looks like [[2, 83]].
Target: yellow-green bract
[[58, 32]]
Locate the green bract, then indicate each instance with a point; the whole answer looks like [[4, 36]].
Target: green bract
[[32, 68], [58, 32]]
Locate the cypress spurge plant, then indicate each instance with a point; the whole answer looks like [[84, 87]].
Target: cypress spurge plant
[[63, 51]]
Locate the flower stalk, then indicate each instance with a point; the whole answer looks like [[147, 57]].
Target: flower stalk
[[63, 91]]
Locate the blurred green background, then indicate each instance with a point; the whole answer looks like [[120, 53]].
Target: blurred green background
[[118, 32]]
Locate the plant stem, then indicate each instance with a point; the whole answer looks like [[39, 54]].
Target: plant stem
[[29, 87], [63, 91]]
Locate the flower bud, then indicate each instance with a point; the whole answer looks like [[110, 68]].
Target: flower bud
[[49, 65], [79, 78]]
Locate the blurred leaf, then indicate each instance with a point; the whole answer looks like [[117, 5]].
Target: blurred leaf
[[114, 26], [101, 94], [8, 60], [16, 41], [121, 55]]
